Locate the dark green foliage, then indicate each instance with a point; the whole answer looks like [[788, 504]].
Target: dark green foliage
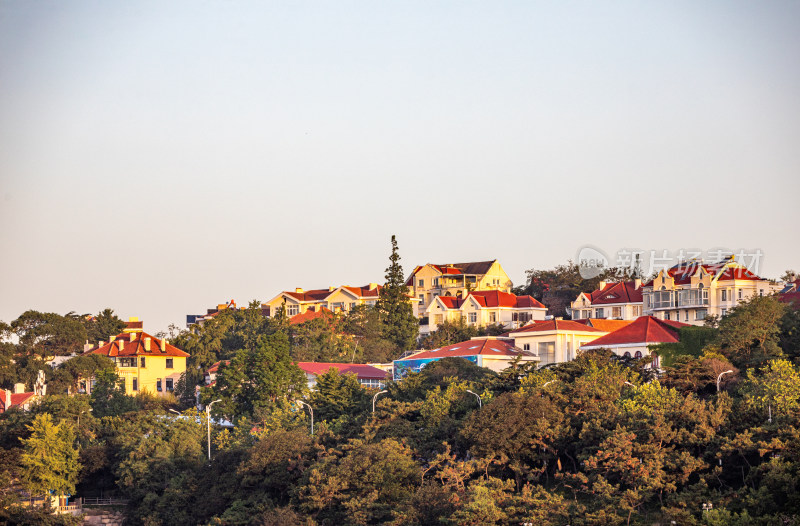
[[749, 335], [68, 376], [102, 326], [400, 326], [693, 340], [108, 395]]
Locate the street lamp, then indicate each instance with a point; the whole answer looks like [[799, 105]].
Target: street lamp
[[208, 425], [720, 377], [311, 410], [480, 404], [376, 396]]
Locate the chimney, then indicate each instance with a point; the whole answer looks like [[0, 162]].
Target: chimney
[[637, 284], [19, 388], [603, 285], [100, 343], [373, 286], [331, 288], [298, 290], [121, 344], [111, 339], [162, 343], [147, 344], [133, 336], [8, 399]]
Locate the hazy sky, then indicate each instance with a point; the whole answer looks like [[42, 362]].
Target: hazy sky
[[161, 157]]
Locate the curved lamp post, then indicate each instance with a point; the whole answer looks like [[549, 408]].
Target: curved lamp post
[[208, 425], [376, 396], [480, 404], [720, 377], [310, 410]]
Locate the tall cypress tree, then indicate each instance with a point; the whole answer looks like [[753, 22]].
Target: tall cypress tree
[[400, 326]]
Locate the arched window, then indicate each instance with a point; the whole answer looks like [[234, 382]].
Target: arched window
[[638, 354], [627, 354], [699, 285]]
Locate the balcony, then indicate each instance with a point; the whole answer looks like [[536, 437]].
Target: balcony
[[692, 298]]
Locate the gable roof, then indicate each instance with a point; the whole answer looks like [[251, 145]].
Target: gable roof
[[555, 325], [17, 399], [645, 330], [124, 346], [619, 292], [361, 370], [722, 271], [484, 347]]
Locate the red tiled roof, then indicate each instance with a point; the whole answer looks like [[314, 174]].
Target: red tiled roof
[[361, 370], [17, 399], [603, 324], [645, 330], [493, 299], [309, 315], [485, 347], [619, 292], [682, 272], [123, 346], [456, 269], [215, 367], [309, 295], [365, 291], [555, 325]]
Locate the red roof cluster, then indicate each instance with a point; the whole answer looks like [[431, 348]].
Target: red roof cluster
[[309, 315], [493, 299], [490, 347], [366, 291], [361, 370], [645, 330], [682, 272]]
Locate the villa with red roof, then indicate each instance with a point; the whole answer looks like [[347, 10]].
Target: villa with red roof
[[632, 341], [491, 352], [16, 398], [692, 290], [144, 362], [335, 299], [554, 341], [616, 301], [454, 279], [368, 376], [485, 307]]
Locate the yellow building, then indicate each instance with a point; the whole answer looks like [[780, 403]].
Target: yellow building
[[454, 279], [335, 299], [692, 290], [144, 362]]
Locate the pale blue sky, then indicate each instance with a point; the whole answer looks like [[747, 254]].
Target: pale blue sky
[[161, 157]]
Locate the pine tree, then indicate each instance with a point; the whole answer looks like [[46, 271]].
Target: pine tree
[[400, 326]]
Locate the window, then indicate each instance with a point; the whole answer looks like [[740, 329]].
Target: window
[[547, 352], [337, 306], [422, 298], [492, 317], [700, 314], [724, 312], [599, 314], [760, 292], [169, 363], [158, 385], [526, 347], [435, 282], [638, 354], [724, 295], [135, 384], [437, 319], [740, 293], [169, 384], [141, 363], [293, 310], [666, 315], [616, 312], [626, 355], [686, 316], [637, 311], [127, 362], [473, 317], [421, 283]]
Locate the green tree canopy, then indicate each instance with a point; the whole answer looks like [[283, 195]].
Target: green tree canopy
[[49, 460]]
